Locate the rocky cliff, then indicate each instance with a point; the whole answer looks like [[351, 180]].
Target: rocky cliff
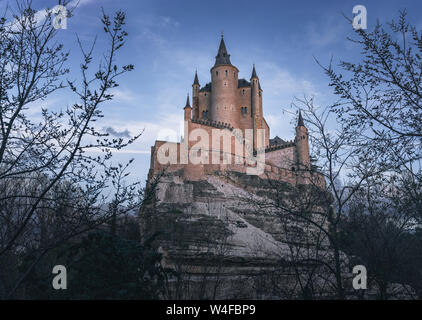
[[234, 235]]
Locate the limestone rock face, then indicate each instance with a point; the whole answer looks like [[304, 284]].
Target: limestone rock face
[[213, 217], [225, 229]]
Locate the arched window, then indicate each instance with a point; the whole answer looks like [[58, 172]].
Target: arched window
[[226, 73], [216, 73]]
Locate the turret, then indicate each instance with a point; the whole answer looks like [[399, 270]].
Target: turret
[[224, 79], [255, 89], [302, 145], [188, 110], [256, 113], [195, 96]]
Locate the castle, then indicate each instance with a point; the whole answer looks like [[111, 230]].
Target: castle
[[225, 130], [213, 214]]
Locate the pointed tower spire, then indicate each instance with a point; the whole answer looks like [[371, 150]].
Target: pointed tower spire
[[187, 102], [300, 121], [254, 72], [196, 81], [222, 56]]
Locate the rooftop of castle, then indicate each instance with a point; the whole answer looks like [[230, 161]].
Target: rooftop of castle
[[222, 56], [276, 141]]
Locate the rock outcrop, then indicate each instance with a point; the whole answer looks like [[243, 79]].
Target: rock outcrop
[[230, 235]]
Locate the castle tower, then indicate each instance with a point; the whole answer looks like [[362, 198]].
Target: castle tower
[[195, 96], [188, 110], [224, 84], [302, 145], [256, 108]]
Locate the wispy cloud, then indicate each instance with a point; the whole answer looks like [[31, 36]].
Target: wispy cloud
[[125, 95], [279, 81], [326, 32], [121, 134]]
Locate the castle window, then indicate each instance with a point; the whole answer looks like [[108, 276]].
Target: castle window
[[216, 73], [293, 168], [243, 91], [244, 110], [226, 73]]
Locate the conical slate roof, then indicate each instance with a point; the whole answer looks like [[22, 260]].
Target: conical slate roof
[[254, 72], [196, 81], [222, 56], [300, 121], [187, 102]]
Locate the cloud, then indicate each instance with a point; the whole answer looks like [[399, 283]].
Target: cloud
[[168, 22], [125, 95], [278, 81], [157, 22], [329, 31], [121, 134], [80, 3]]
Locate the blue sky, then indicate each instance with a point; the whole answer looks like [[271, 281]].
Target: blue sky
[[169, 40]]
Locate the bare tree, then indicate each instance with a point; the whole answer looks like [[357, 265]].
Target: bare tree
[[52, 186], [381, 96]]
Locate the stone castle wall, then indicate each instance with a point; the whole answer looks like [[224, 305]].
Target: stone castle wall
[[279, 164]]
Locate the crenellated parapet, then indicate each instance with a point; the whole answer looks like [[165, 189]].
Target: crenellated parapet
[[288, 144], [213, 123]]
